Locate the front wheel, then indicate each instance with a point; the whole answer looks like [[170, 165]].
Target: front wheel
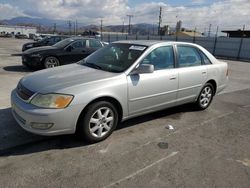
[[51, 62], [206, 96], [98, 122]]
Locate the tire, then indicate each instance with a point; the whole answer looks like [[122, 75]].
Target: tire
[[205, 97], [51, 62], [97, 122]]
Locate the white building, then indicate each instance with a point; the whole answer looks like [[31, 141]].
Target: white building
[[17, 29]]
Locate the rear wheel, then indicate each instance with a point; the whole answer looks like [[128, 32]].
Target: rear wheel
[[51, 62], [98, 122], [206, 96]]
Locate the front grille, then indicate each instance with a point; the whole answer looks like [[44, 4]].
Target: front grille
[[19, 118], [23, 92]]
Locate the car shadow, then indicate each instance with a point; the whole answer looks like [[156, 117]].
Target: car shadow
[[17, 68], [29, 143]]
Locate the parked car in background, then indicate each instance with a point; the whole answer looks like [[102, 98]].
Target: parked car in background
[[91, 34], [67, 51], [6, 35], [47, 41], [21, 36], [120, 81]]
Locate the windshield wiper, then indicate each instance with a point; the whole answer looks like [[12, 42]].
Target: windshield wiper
[[93, 65]]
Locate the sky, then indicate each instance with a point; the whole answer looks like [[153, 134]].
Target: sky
[[227, 14]]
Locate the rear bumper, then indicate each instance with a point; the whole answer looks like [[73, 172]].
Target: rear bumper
[[222, 86], [64, 120]]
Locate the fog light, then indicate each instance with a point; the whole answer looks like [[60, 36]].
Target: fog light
[[41, 126]]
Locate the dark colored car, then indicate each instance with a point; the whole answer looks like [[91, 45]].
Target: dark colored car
[[21, 36], [64, 52], [47, 41]]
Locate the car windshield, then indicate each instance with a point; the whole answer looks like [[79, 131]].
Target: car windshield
[[63, 43], [114, 57]]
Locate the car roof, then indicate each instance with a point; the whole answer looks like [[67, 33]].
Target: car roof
[[152, 42], [79, 38]]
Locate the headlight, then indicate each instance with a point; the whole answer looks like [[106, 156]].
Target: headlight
[[52, 100], [35, 55]]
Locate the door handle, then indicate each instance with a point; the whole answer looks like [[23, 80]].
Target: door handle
[[173, 78], [204, 72]]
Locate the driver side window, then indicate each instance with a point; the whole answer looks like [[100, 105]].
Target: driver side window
[[161, 58]]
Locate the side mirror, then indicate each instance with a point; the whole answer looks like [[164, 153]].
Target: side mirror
[[143, 69]]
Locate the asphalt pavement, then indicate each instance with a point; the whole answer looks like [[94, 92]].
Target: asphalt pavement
[[208, 148]]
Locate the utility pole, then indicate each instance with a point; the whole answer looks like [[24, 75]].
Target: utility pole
[[54, 30], [160, 20], [76, 27], [69, 24], [215, 39], [123, 26], [101, 28], [241, 41], [129, 23], [209, 30]]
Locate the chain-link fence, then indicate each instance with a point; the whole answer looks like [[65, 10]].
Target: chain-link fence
[[231, 48]]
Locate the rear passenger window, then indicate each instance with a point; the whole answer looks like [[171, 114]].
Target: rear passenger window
[[206, 61], [57, 39], [188, 56], [94, 44], [161, 58]]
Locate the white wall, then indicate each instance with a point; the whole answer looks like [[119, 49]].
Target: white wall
[[18, 29]]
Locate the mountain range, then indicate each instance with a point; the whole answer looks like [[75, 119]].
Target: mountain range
[[64, 25]]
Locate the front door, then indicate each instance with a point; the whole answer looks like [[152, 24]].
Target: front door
[[78, 51], [157, 90]]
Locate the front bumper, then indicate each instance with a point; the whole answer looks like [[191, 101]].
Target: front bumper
[[31, 61], [64, 120]]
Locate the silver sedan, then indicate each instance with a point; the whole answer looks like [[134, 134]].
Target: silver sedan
[[120, 81]]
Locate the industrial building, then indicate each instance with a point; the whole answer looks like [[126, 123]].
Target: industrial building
[[237, 33], [9, 29]]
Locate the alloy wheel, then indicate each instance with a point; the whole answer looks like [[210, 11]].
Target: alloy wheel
[[206, 96], [101, 122], [51, 62]]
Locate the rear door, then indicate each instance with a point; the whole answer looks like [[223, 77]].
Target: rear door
[[157, 90], [192, 74]]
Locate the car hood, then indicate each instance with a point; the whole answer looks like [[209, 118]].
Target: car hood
[[61, 78], [28, 43], [40, 49]]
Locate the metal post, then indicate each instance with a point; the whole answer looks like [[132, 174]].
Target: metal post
[[215, 40], [101, 29], [109, 37], [160, 20], [241, 42], [194, 35], [129, 23]]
